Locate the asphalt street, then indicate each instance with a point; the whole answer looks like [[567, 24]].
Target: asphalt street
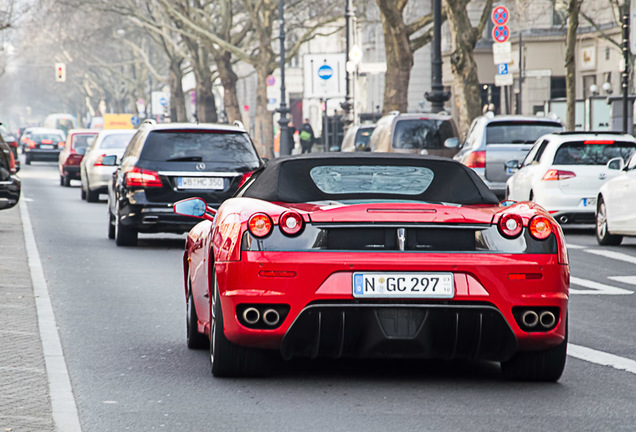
[[120, 315]]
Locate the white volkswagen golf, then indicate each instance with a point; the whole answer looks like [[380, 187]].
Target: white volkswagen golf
[[616, 208], [564, 171]]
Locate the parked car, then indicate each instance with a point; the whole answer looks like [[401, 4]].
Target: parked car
[[167, 162], [375, 255], [357, 138], [42, 144], [564, 172], [615, 203], [12, 141], [70, 158], [427, 134], [10, 185], [94, 174], [494, 140]]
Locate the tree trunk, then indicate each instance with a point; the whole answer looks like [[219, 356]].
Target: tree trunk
[[228, 81], [399, 57], [263, 122], [574, 7], [177, 98]]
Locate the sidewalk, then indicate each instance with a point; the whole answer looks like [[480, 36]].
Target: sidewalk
[[24, 392]]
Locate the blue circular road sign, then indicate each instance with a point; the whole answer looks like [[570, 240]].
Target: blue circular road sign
[[325, 72], [134, 120]]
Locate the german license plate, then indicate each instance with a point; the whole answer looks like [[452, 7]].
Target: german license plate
[[403, 285], [46, 146], [588, 202], [215, 183]]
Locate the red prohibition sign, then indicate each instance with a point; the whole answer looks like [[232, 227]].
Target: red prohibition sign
[[500, 15], [501, 33]]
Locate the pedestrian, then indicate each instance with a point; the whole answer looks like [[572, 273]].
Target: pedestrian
[[306, 137]]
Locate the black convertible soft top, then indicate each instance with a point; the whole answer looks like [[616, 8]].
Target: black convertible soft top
[[287, 179]]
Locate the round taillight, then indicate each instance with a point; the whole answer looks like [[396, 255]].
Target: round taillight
[[291, 223], [259, 225], [540, 227], [510, 225]]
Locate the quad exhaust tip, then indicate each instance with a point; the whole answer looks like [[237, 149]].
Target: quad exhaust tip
[[251, 315], [271, 317], [547, 319], [530, 318]]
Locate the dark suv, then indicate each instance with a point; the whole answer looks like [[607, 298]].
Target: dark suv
[[169, 162], [9, 183]]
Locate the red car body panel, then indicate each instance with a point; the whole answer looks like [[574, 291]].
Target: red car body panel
[[248, 277]]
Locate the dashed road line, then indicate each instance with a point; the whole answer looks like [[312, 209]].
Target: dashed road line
[[601, 358], [63, 407], [596, 288], [613, 255]]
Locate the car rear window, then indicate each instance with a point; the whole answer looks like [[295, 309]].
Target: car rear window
[[53, 137], [116, 141], [363, 135], [422, 133], [371, 179], [81, 141], [199, 146], [588, 153], [519, 132]]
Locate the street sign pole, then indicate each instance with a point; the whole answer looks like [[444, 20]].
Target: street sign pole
[[625, 76]]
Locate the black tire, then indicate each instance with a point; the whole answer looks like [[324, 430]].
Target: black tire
[[194, 339], [82, 192], [125, 236], [27, 159], [546, 365], [111, 225], [603, 236], [228, 359], [66, 181], [61, 180], [91, 196]]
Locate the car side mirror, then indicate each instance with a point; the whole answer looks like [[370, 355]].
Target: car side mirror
[[616, 163], [451, 143], [109, 160], [194, 207]]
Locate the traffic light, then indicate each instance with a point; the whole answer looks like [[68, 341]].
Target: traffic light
[[60, 72]]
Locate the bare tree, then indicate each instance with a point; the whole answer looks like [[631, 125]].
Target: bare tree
[[574, 7], [401, 40], [465, 75]]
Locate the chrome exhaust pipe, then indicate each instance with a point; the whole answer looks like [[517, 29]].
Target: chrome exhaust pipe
[[251, 315], [564, 219], [547, 319], [530, 318], [271, 317]]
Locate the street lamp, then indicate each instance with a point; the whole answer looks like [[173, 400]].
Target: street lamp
[[437, 96], [347, 104], [283, 121]]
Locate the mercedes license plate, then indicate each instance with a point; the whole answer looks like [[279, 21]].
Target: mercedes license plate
[[403, 285], [215, 183]]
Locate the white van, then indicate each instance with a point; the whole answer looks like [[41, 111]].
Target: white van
[[62, 121]]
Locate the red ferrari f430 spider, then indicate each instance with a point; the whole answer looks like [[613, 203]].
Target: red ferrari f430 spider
[[375, 256]]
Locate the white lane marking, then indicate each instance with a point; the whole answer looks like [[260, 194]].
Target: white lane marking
[[596, 288], [601, 358], [613, 255], [573, 246], [63, 407], [630, 280]]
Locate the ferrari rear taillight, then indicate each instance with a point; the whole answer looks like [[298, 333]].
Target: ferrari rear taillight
[[245, 177], [510, 225], [540, 227], [260, 225], [555, 174], [99, 161], [476, 160], [138, 177], [291, 223]]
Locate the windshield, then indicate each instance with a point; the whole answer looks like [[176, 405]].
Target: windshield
[[422, 133], [363, 135], [116, 141], [580, 153], [371, 179], [53, 137], [519, 132], [199, 146], [81, 141]]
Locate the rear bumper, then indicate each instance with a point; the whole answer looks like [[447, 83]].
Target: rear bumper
[[71, 171], [567, 208], [155, 219], [38, 154], [99, 177], [478, 322]]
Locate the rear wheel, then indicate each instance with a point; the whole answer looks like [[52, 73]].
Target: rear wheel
[[111, 225], [82, 192], [546, 365], [27, 159], [228, 359], [124, 236], [603, 236], [194, 339], [91, 196], [61, 180], [66, 181]]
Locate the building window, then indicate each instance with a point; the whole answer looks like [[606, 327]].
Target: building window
[[557, 87], [559, 12]]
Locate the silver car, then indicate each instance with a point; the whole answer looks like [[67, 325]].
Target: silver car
[[94, 175], [494, 140]]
